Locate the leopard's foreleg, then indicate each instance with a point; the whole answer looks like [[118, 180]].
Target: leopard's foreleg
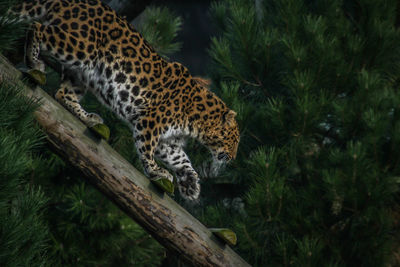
[[171, 153], [146, 144]]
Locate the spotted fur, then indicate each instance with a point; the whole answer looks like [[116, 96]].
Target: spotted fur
[[160, 100]]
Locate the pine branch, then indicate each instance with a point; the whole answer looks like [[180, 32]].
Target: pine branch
[[160, 28]]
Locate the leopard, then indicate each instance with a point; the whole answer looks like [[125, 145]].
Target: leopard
[[163, 104]]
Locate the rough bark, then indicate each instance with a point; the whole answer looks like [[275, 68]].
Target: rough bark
[[157, 213]]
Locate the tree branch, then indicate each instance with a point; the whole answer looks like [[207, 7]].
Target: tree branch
[[157, 213]]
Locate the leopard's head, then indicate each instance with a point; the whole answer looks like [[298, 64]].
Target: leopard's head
[[223, 140]]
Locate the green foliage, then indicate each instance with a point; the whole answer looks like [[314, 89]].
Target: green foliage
[[9, 32], [87, 229], [24, 233], [23, 230], [160, 27], [315, 87]]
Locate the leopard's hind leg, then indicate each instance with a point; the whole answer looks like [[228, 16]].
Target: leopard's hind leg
[[58, 44], [53, 40], [171, 153], [32, 52], [32, 49]]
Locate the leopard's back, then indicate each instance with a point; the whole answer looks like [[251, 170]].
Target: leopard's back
[[115, 62]]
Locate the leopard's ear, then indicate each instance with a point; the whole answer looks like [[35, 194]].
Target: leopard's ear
[[202, 81], [229, 117]]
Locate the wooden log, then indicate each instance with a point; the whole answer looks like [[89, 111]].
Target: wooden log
[[129, 189]]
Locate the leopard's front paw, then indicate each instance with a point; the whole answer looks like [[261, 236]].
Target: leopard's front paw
[[188, 185]]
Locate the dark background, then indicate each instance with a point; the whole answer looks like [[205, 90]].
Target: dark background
[[197, 29]]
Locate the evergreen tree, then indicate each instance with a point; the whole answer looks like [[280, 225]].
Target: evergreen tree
[[315, 84], [85, 227], [160, 27], [23, 230]]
